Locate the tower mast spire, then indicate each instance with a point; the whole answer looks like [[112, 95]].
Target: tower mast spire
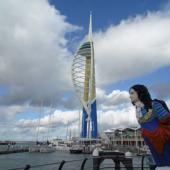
[[90, 28]]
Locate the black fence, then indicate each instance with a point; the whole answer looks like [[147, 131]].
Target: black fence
[[94, 163]]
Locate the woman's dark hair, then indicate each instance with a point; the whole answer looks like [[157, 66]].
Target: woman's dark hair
[[143, 95]]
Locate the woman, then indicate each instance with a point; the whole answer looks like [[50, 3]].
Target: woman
[[155, 124]]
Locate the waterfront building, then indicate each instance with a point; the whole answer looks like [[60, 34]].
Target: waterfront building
[[130, 136]]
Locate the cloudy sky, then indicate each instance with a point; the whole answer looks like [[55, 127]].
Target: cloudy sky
[[38, 39]]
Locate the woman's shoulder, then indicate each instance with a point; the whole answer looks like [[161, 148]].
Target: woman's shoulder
[[159, 107], [157, 103]]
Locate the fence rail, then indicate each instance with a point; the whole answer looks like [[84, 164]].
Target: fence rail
[[61, 164]]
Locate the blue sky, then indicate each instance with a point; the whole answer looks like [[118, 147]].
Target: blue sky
[[105, 13], [159, 76], [112, 12], [132, 45]]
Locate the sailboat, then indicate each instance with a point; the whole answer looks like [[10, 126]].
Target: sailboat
[[36, 147], [48, 147], [43, 147]]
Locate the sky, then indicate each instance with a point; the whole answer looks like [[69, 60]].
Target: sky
[[38, 40]]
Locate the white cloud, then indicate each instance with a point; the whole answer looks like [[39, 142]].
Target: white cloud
[[168, 103], [114, 110], [117, 118], [35, 63], [137, 46], [65, 122], [57, 118], [114, 99], [8, 113], [56, 125]]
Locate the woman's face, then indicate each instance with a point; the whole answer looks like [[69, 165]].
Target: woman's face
[[133, 96]]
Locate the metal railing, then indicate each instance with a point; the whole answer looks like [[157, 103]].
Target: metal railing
[[60, 165]]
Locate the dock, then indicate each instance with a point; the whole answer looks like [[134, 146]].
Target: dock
[[9, 149], [13, 151]]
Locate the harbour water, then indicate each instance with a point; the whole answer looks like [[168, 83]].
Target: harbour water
[[17, 160]]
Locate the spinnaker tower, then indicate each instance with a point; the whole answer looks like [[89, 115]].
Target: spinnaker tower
[[83, 77]]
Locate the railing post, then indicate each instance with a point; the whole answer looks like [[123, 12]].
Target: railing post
[[142, 162], [117, 163], [152, 167], [27, 167], [83, 163], [61, 164]]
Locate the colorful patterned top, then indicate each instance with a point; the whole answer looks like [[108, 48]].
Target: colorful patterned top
[[155, 125]]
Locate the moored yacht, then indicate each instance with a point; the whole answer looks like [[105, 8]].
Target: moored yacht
[[47, 149], [76, 149]]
